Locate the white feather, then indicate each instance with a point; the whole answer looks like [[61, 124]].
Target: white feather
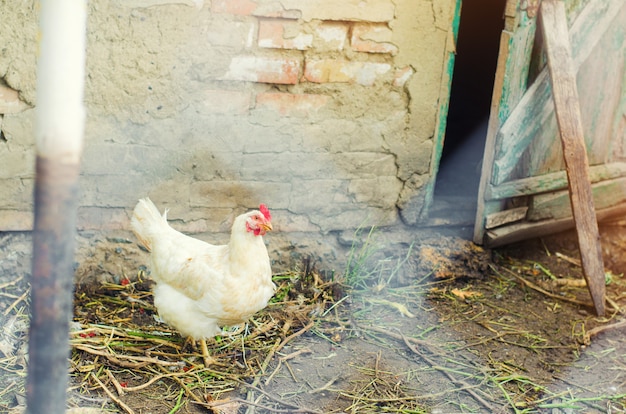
[[200, 286]]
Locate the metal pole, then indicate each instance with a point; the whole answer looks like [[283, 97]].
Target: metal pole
[[59, 138]]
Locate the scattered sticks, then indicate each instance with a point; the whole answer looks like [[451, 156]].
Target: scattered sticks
[[154, 352], [325, 386], [16, 302], [467, 387], [112, 396], [293, 409], [284, 359], [295, 335], [543, 291], [121, 359]]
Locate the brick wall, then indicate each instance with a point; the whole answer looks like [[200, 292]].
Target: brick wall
[[324, 110]]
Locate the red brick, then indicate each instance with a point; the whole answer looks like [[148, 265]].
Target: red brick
[[264, 70], [372, 38], [331, 36], [290, 104], [241, 7], [227, 102], [283, 34], [333, 70]]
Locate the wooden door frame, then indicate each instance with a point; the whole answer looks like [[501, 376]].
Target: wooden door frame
[[514, 56]]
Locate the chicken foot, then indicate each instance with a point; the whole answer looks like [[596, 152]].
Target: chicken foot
[[206, 357]]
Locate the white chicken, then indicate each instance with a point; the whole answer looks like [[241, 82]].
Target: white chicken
[[200, 286]]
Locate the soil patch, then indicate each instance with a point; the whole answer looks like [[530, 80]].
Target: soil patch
[[443, 326]]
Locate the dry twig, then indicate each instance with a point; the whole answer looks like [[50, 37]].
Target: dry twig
[[116, 400], [600, 329], [294, 335], [16, 302], [119, 359], [543, 291]]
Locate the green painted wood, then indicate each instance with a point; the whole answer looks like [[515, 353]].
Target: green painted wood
[[503, 217], [509, 86], [533, 119], [442, 113], [525, 230], [619, 126], [556, 205], [599, 80], [523, 154], [552, 182], [520, 44]]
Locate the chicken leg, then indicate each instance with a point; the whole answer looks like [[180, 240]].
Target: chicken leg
[[208, 359]]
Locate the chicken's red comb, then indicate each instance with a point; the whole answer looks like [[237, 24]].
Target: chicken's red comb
[[266, 212]]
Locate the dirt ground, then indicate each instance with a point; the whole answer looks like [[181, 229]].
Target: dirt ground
[[441, 326]]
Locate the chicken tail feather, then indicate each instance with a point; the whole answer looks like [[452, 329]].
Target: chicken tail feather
[[147, 221]]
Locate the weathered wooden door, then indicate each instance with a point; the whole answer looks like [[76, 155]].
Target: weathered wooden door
[[523, 188]]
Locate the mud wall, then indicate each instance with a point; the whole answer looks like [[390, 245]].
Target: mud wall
[[324, 110]]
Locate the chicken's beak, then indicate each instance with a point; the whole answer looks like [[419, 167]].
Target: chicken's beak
[[267, 226]]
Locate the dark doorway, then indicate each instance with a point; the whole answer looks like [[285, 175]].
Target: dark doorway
[[480, 28]]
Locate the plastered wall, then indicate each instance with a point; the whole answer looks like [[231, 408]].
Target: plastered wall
[[326, 111]]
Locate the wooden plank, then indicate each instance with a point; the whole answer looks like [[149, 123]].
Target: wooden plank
[[509, 86], [555, 205], [516, 64], [536, 107], [442, 111], [552, 182], [513, 233], [505, 217], [599, 80], [567, 109]]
